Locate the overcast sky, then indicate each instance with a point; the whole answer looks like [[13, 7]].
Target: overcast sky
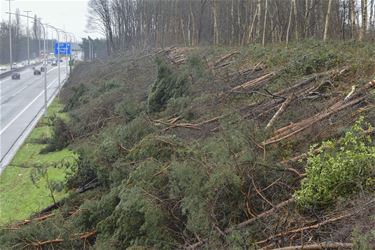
[[70, 15]]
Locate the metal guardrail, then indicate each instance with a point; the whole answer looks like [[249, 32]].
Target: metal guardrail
[[8, 73]]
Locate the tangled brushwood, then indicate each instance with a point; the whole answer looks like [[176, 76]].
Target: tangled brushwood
[[219, 148]]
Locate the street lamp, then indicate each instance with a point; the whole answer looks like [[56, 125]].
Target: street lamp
[[44, 61], [28, 37], [58, 51], [10, 37], [45, 67], [66, 41]]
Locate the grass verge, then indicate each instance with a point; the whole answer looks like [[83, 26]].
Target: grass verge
[[19, 196]]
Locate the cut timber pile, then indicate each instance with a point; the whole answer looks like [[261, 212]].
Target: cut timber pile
[[176, 55]]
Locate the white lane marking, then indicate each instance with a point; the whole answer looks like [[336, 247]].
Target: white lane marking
[[29, 85], [28, 106], [10, 78], [19, 91]]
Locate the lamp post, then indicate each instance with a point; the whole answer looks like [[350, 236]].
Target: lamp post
[[10, 37], [66, 41], [28, 37], [58, 52], [44, 59], [45, 67]]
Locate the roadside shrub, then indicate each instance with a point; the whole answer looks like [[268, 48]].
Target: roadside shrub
[[169, 84], [342, 168], [60, 138]]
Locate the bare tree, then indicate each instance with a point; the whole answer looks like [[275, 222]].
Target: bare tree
[[328, 16], [265, 23], [362, 33]]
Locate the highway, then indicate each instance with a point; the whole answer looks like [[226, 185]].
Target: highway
[[21, 102]]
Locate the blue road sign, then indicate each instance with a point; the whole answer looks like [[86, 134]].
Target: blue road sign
[[65, 48]]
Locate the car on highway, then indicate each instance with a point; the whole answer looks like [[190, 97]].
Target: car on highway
[[14, 66], [42, 69], [37, 72], [3, 68], [16, 76], [54, 63]]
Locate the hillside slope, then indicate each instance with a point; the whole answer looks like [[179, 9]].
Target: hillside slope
[[216, 148]]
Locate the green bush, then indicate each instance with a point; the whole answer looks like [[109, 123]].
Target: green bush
[[169, 84], [61, 136], [313, 62], [342, 168]]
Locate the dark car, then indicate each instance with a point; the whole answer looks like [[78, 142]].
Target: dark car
[[42, 69], [37, 72], [16, 76]]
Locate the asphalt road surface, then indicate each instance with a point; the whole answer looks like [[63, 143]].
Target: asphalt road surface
[[20, 102]]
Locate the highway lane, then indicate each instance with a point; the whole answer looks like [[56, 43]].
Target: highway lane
[[20, 102]]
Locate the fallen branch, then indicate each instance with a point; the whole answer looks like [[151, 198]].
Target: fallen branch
[[84, 236], [183, 125], [38, 219], [39, 244], [315, 226], [247, 222], [259, 216], [322, 245]]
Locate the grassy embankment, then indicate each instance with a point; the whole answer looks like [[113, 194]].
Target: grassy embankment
[[177, 145], [19, 196]]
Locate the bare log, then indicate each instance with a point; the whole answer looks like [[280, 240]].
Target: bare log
[[280, 111], [255, 82], [223, 58]]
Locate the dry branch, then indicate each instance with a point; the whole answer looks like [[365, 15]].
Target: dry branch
[[259, 216], [316, 226], [38, 219], [84, 236], [39, 244], [322, 245]]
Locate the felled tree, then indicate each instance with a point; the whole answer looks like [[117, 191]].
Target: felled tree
[[168, 85]]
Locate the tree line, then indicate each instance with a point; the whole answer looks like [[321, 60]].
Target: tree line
[[130, 24], [19, 39]]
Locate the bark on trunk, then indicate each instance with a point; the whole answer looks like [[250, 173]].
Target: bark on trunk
[[328, 15]]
